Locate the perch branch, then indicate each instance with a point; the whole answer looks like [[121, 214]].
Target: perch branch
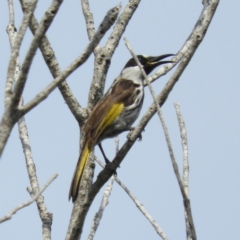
[[81, 207]]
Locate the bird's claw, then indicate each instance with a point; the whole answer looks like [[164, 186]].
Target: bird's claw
[[131, 129]]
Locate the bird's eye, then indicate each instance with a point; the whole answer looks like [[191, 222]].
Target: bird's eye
[[140, 59]]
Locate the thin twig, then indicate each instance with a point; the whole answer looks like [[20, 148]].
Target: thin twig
[[88, 18], [44, 214], [105, 199], [183, 132], [117, 144], [145, 77], [98, 215], [190, 226], [104, 55], [104, 26], [76, 223], [23, 205], [185, 179], [138, 204], [53, 65], [12, 32], [81, 208], [16, 47], [42, 29]]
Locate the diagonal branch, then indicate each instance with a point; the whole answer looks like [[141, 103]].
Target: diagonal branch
[[106, 195], [12, 114], [138, 204], [104, 26], [89, 21], [23, 205], [145, 78], [53, 65], [98, 215], [45, 215], [191, 234], [16, 46], [12, 33], [43, 27], [104, 55], [197, 36]]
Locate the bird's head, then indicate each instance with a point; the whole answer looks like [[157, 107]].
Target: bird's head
[[148, 62]]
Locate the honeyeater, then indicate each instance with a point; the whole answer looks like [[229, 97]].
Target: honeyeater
[[115, 112]]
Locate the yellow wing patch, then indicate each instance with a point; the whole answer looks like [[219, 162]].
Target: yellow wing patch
[[112, 114]]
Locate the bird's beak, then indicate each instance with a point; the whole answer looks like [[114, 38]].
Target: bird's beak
[[156, 61]]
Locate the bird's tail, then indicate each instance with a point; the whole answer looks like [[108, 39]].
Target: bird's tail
[[79, 172]]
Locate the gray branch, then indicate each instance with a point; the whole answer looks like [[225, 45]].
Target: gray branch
[[193, 41], [53, 65], [138, 204], [16, 47], [191, 235], [23, 205], [195, 38], [89, 21], [98, 215], [43, 27], [45, 215], [13, 113], [104, 26], [104, 54], [106, 195]]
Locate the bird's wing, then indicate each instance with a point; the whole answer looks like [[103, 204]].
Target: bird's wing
[[105, 112], [109, 108]]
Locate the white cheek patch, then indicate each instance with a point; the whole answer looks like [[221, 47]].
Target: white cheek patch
[[133, 73]]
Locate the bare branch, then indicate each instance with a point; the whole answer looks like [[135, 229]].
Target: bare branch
[[193, 41], [53, 65], [185, 179], [8, 120], [88, 18], [183, 131], [117, 144], [45, 215], [89, 22], [12, 114], [98, 215], [138, 204], [11, 12], [15, 49], [104, 26], [104, 55], [106, 173], [106, 195], [23, 205], [12, 32], [43, 27], [15, 43]]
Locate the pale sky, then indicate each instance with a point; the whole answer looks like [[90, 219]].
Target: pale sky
[[209, 95]]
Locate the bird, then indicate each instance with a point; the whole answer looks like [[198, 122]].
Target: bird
[[115, 112]]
